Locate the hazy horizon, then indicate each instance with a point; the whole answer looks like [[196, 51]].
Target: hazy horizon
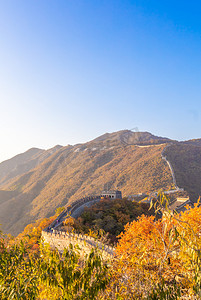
[[73, 70]]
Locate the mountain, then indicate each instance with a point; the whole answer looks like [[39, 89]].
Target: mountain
[[23, 163], [125, 160], [129, 137]]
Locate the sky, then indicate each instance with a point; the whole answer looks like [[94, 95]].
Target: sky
[[71, 70]]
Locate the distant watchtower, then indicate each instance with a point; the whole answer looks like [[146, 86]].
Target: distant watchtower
[[112, 194]]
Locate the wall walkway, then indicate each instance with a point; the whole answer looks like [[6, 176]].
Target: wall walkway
[[60, 239]]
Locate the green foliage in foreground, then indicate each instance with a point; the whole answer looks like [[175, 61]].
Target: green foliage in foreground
[[18, 274], [27, 277], [161, 291]]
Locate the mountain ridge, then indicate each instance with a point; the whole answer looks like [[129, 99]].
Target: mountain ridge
[[119, 160], [23, 162]]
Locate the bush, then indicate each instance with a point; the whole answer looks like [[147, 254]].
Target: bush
[[162, 255]]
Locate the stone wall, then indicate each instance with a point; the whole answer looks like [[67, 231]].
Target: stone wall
[[60, 240]]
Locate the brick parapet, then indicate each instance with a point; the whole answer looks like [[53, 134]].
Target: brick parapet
[[60, 240]]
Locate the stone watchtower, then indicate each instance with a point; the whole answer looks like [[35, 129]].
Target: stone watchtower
[[111, 194]]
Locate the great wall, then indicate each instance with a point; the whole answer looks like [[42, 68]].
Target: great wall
[[59, 239], [177, 189]]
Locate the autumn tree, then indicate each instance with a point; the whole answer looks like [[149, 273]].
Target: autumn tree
[[162, 255], [31, 235]]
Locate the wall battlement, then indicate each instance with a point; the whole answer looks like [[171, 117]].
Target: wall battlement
[[60, 240]]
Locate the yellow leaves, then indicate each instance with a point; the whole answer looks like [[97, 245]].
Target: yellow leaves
[[169, 248], [93, 234], [32, 233], [69, 221]]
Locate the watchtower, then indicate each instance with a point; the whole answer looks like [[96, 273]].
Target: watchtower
[[111, 194]]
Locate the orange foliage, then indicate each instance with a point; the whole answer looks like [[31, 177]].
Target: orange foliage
[[69, 221], [151, 251], [32, 233]]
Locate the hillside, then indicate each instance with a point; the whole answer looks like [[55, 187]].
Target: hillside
[[111, 216], [195, 142], [75, 171], [185, 159], [38, 181], [23, 163], [128, 137]]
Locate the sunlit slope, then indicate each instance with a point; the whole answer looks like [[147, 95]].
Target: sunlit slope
[[23, 163], [76, 171]]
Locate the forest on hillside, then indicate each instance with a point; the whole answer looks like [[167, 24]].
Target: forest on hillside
[[110, 216]]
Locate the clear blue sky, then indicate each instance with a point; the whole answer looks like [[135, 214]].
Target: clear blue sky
[[71, 70]]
